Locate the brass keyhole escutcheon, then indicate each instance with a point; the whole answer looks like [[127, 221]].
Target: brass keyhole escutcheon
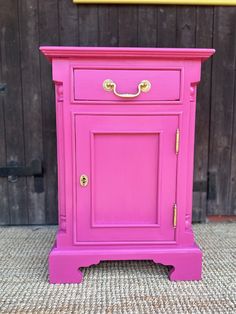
[[83, 180]]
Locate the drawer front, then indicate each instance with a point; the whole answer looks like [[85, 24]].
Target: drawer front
[[89, 85]]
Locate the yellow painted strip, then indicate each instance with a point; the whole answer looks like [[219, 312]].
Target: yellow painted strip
[[181, 2]]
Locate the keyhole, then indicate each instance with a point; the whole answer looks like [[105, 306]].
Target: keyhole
[[83, 180]]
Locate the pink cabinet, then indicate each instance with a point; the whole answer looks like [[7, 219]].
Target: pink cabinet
[[125, 136]]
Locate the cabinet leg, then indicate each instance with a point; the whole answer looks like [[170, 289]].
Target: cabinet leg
[[185, 265], [63, 270], [64, 267], [190, 268]]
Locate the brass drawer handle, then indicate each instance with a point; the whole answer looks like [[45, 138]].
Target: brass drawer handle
[[110, 86]]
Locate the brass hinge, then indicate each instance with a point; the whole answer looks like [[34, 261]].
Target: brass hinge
[[177, 136], [174, 215]]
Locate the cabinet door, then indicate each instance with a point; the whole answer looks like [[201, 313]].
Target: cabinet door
[[131, 163]]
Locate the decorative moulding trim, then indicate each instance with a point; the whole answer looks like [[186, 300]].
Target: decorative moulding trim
[[109, 52], [181, 2]]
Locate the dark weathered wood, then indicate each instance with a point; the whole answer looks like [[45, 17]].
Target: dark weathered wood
[[128, 25], [147, 26], [88, 25], [222, 107], [68, 23], [204, 28], [49, 35], [186, 27], [31, 95], [232, 197], [4, 210], [166, 29], [186, 38], [11, 74], [108, 25], [27, 109]]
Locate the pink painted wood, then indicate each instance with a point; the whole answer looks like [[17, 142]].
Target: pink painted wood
[[127, 149], [86, 79]]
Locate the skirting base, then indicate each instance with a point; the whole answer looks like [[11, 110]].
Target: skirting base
[[186, 263]]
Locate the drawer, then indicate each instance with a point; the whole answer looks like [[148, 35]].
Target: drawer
[[89, 85]]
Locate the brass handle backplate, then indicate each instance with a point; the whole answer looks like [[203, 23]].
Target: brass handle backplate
[[83, 180], [110, 86]]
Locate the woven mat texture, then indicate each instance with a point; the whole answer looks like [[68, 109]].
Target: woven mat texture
[[118, 286]]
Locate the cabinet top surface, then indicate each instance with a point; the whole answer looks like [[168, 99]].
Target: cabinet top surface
[[124, 52]]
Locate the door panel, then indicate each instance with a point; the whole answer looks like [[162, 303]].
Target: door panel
[[131, 165], [122, 175]]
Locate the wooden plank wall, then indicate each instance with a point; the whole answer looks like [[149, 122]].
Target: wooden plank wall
[[27, 110]]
